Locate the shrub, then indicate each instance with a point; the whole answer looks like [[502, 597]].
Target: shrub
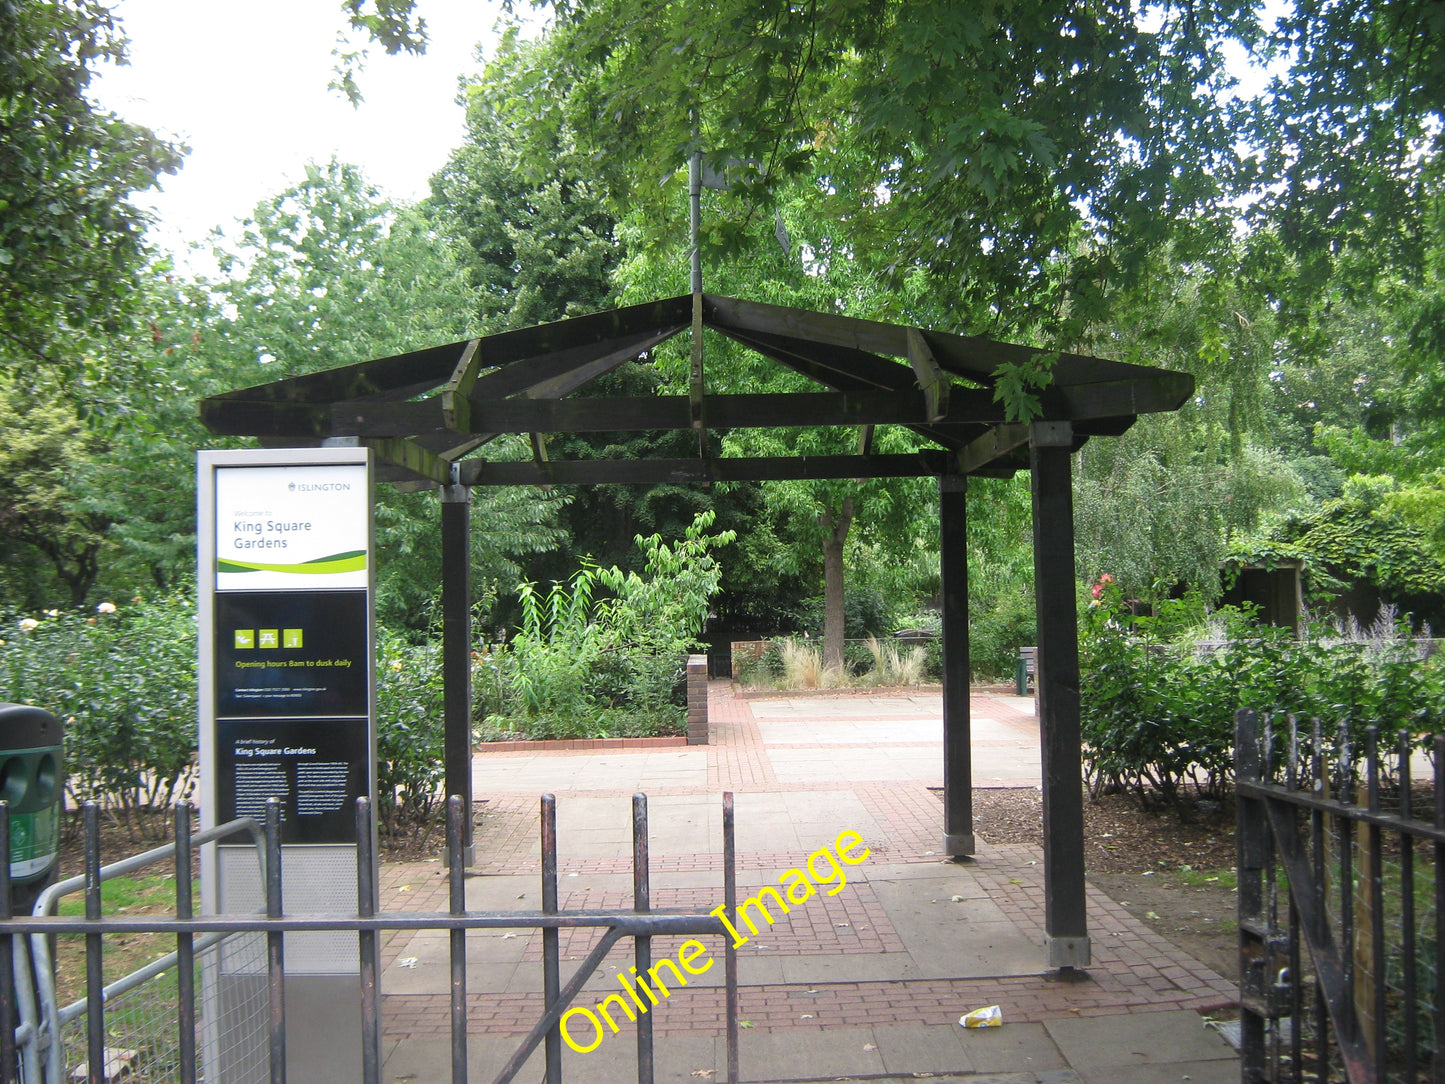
[[411, 734], [584, 664], [1158, 715], [756, 666], [123, 682], [803, 666], [995, 635], [895, 665]]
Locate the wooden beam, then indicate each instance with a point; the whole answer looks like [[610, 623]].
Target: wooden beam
[[455, 404], [1066, 925], [995, 444], [625, 413], [410, 373], [832, 366], [931, 378], [958, 835], [1112, 405], [412, 458], [559, 372], [920, 464], [816, 327], [580, 331]]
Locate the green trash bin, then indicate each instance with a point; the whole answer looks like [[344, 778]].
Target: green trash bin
[[32, 780]]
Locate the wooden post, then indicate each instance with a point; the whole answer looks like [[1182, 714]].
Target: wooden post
[[958, 838], [456, 505], [1066, 923]]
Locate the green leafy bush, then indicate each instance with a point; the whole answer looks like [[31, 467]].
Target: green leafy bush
[[995, 635], [123, 681], [588, 664], [1158, 715], [411, 734]]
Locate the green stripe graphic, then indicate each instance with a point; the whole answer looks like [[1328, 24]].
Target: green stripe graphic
[[350, 561]]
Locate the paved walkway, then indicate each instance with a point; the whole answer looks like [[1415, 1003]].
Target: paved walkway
[[868, 982]]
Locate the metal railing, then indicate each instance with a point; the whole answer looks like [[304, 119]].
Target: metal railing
[[1341, 929], [31, 1022], [45, 1031]]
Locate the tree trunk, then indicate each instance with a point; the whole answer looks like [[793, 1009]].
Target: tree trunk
[[836, 522]]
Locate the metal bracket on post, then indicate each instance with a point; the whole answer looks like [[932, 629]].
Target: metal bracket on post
[[1072, 952], [454, 492], [1051, 434]]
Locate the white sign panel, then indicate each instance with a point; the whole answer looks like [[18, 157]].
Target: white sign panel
[[292, 528]]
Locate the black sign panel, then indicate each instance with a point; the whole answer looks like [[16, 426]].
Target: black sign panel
[[317, 767], [291, 653]]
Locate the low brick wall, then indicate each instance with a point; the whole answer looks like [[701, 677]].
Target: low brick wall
[[697, 700]]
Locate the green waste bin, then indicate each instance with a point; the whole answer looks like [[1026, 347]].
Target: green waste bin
[[32, 780]]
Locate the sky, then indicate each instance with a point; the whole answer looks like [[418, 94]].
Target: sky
[[245, 86]]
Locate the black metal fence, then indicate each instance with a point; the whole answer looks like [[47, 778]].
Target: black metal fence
[[32, 1048], [1341, 930]]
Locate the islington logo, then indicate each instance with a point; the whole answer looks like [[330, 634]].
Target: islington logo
[[319, 487]]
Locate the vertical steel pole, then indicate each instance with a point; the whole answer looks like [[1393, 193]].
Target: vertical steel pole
[[185, 947], [366, 908], [457, 816], [694, 220], [730, 956], [958, 838], [1066, 922], [1251, 858], [642, 946], [551, 956], [275, 944], [94, 968], [1407, 914], [457, 651]]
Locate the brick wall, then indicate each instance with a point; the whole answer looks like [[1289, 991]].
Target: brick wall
[[697, 700]]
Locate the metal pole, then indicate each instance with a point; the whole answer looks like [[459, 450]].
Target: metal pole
[[8, 1015], [275, 944], [730, 956], [457, 652], [694, 218], [457, 898], [642, 946], [185, 948], [366, 908], [94, 969], [551, 956]]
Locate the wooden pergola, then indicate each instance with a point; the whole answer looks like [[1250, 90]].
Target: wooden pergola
[[428, 413]]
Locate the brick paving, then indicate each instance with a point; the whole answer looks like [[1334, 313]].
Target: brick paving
[[1133, 970]]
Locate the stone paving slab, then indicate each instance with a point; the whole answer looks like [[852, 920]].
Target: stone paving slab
[[870, 980]]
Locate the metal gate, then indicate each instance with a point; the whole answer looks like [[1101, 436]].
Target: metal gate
[[1341, 932], [32, 1024]]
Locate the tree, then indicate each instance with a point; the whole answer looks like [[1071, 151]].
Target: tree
[[817, 521], [327, 273], [1349, 140], [43, 458], [538, 244], [977, 144], [70, 241]]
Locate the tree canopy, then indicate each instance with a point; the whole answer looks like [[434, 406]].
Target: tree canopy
[[70, 240]]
